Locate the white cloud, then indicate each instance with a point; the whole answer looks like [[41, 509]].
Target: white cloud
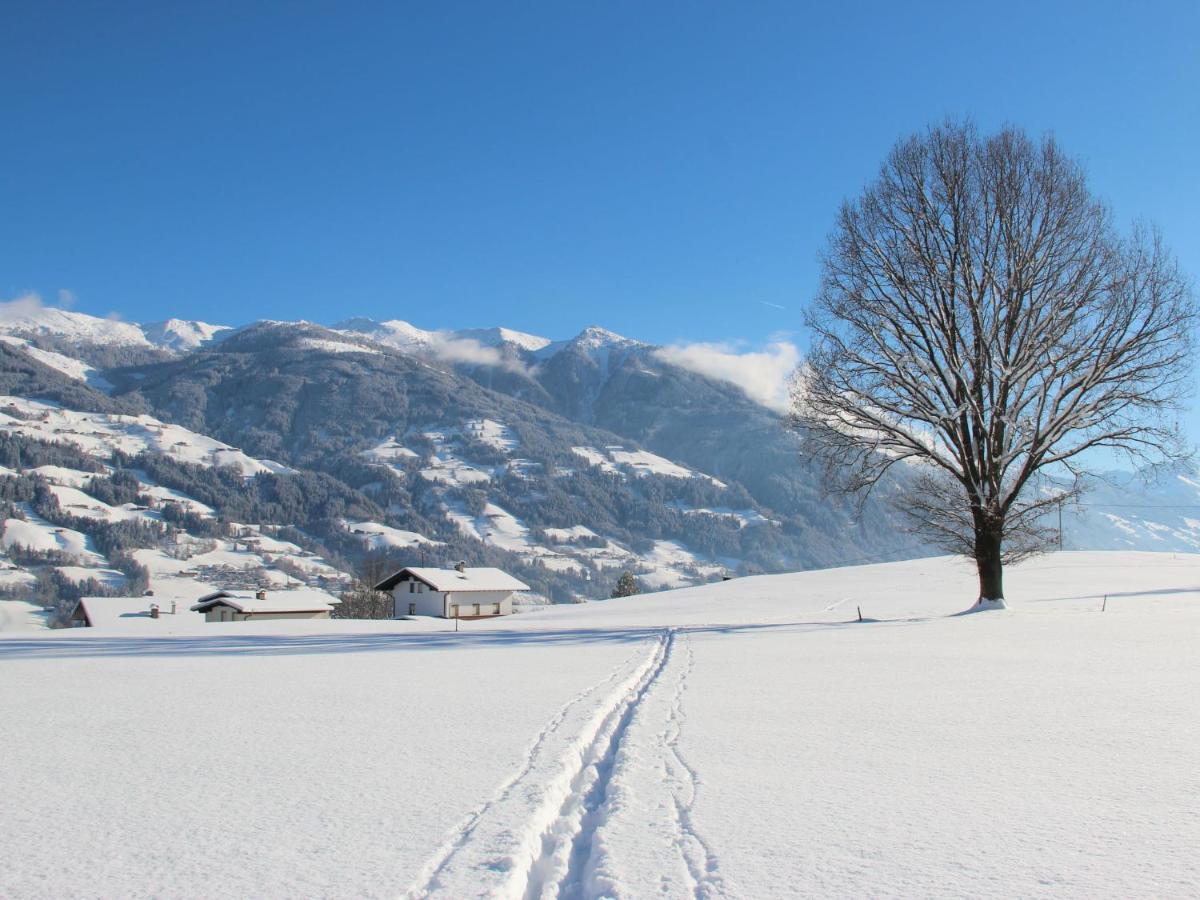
[[762, 374], [471, 352], [29, 304]]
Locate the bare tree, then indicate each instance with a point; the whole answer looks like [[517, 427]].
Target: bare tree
[[981, 317], [362, 601]]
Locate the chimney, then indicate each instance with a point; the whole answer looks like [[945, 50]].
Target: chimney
[[461, 567], [261, 595], [154, 610]]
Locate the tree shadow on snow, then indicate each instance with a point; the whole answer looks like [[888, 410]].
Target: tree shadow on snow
[[1112, 594], [94, 646]]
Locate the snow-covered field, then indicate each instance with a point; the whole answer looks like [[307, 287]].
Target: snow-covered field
[[745, 739]]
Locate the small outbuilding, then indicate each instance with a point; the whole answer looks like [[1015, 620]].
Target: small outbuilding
[[241, 606], [458, 593]]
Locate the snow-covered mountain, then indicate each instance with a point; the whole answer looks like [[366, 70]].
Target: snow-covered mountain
[[407, 337], [61, 328], [564, 461], [72, 327], [594, 342], [495, 337], [394, 333], [182, 334]]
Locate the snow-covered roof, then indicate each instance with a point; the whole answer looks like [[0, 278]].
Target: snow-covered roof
[[134, 612], [299, 600], [469, 579], [21, 615]]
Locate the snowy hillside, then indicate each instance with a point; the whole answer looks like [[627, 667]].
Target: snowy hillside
[[35, 320], [84, 525], [407, 337], [79, 329], [1124, 510], [180, 334], [746, 739], [68, 365]]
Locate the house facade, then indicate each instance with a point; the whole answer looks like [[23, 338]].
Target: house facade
[[458, 593]]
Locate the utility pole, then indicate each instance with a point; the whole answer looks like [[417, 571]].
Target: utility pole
[[1060, 542]]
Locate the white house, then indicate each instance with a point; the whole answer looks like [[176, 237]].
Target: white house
[[458, 593], [239, 606]]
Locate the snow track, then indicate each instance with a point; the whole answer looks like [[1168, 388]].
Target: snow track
[[494, 829], [556, 829], [647, 843]]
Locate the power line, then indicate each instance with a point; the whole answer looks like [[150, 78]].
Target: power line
[[1138, 505]]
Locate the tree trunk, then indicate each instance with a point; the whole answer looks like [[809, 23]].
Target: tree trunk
[[990, 563]]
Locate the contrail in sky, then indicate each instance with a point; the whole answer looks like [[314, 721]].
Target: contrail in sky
[[772, 305]]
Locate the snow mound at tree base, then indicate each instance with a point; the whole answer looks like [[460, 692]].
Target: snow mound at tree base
[[983, 604]]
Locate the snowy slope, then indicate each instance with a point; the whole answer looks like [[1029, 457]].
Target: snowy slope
[[394, 333], [593, 342], [100, 434], [408, 337], [494, 337], [74, 327], [182, 334], [1123, 510], [37, 321], [69, 366], [745, 739]]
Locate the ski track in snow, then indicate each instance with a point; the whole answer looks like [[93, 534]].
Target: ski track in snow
[[572, 834], [540, 834], [458, 869], [832, 606], [647, 843], [701, 862]]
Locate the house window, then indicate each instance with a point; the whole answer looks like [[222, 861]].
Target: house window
[[412, 609], [497, 611], [412, 587], [476, 609]]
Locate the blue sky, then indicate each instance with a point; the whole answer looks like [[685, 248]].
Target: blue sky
[[667, 170]]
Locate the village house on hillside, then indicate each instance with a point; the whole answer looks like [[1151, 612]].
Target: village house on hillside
[[458, 593], [240, 606]]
